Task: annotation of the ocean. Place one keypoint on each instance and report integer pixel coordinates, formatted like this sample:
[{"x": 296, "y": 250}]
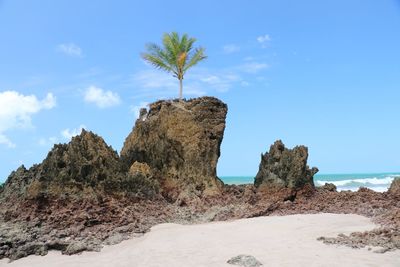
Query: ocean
[{"x": 379, "y": 182}]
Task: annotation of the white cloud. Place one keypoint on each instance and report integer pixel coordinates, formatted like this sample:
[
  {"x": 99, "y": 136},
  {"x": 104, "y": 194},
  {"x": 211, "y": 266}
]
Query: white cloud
[
  {"x": 253, "y": 67},
  {"x": 17, "y": 109},
  {"x": 264, "y": 40},
  {"x": 153, "y": 83},
  {"x": 70, "y": 49},
  {"x": 5, "y": 141},
  {"x": 103, "y": 99},
  {"x": 48, "y": 141},
  {"x": 230, "y": 48},
  {"x": 155, "y": 79},
  {"x": 136, "y": 108},
  {"x": 69, "y": 133},
  {"x": 221, "y": 82},
  {"x": 197, "y": 82}
]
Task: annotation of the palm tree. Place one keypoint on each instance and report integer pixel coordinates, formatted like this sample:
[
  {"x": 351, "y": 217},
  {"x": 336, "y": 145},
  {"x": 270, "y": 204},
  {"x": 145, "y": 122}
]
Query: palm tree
[{"x": 176, "y": 57}]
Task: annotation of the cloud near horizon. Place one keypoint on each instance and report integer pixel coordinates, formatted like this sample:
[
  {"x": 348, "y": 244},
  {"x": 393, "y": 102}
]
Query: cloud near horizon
[
  {"x": 16, "y": 111},
  {"x": 100, "y": 97}
]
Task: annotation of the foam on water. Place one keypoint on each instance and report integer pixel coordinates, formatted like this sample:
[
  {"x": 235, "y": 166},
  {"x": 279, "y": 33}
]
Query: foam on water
[{"x": 379, "y": 182}]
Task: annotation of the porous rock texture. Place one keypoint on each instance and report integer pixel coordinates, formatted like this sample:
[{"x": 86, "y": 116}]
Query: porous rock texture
[
  {"x": 180, "y": 142},
  {"x": 245, "y": 261},
  {"x": 394, "y": 188},
  {"x": 283, "y": 169},
  {"x": 85, "y": 168}
]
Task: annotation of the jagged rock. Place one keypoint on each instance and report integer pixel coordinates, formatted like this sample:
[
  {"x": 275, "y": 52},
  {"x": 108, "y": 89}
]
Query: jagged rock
[
  {"x": 16, "y": 184},
  {"x": 115, "y": 239},
  {"x": 283, "y": 168},
  {"x": 79, "y": 246},
  {"x": 84, "y": 168},
  {"x": 245, "y": 261},
  {"x": 140, "y": 168},
  {"x": 36, "y": 248},
  {"x": 78, "y": 168},
  {"x": 329, "y": 187},
  {"x": 180, "y": 142},
  {"x": 395, "y": 187}
]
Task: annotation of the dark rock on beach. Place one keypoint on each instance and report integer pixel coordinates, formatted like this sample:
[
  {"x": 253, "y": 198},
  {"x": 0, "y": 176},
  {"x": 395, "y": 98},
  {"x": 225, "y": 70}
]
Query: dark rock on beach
[
  {"x": 245, "y": 261},
  {"x": 283, "y": 169}
]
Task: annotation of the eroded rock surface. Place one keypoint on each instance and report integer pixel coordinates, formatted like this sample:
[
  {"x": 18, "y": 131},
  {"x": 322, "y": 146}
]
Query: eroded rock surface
[
  {"x": 283, "y": 168},
  {"x": 180, "y": 142},
  {"x": 394, "y": 188},
  {"x": 85, "y": 168}
]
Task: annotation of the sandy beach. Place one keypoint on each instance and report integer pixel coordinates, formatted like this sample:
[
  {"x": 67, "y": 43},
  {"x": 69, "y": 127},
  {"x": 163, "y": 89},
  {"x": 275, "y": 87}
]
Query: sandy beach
[{"x": 274, "y": 241}]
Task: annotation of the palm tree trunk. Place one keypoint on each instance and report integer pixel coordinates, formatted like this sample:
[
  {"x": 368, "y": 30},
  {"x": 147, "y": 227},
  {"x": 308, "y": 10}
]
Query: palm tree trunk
[{"x": 180, "y": 89}]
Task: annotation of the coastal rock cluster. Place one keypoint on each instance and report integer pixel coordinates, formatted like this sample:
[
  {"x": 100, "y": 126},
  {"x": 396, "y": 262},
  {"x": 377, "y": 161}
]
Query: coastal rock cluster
[
  {"x": 82, "y": 191},
  {"x": 84, "y": 195}
]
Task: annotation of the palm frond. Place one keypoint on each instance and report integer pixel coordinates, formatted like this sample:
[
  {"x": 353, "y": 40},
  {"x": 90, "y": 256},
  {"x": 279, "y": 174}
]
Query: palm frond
[
  {"x": 171, "y": 45},
  {"x": 195, "y": 58},
  {"x": 157, "y": 62}
]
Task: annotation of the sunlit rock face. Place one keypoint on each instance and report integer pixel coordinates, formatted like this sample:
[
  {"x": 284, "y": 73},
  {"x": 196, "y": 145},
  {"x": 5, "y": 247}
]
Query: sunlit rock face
[{"x": 180, "y": 142}]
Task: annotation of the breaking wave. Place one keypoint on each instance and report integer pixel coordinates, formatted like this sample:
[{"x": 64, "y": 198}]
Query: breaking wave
[{"x": 379, "y": 184}]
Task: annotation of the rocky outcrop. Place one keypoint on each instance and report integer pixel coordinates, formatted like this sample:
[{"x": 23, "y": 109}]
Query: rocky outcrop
[
  {"x": 16, "y": 184},
  {"x": 83, "y": 195},
  {"x": 394, "y": 188},
  {"x": 85, "y": 168},
  {"x": 180, "y": 142},
  {"x": 329, "y": 187},
  {"x": 82, "y": 167},
  {"x": 283, "y": 168}
]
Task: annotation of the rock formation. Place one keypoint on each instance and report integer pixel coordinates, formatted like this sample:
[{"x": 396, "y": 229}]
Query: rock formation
[
  {"x": 394, "y": 188},
  {"x": 84, "y": 168},
  {"x": 83, "y": 195},
  {"x": 245, "y": 261},
  {"x": 283, "y": 168},
  {"x": 180, "y": 143}
]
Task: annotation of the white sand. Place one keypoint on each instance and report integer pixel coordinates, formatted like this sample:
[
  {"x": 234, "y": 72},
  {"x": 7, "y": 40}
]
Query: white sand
[{"x": 274, "y": 241}]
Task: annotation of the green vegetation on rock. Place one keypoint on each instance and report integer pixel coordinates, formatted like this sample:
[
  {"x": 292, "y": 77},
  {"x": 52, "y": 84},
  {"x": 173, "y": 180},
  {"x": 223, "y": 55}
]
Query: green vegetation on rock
[{"x": 176, "y": 56}]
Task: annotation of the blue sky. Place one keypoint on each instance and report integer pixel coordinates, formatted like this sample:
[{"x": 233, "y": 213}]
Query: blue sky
[{"x": 325, "y": 74}]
